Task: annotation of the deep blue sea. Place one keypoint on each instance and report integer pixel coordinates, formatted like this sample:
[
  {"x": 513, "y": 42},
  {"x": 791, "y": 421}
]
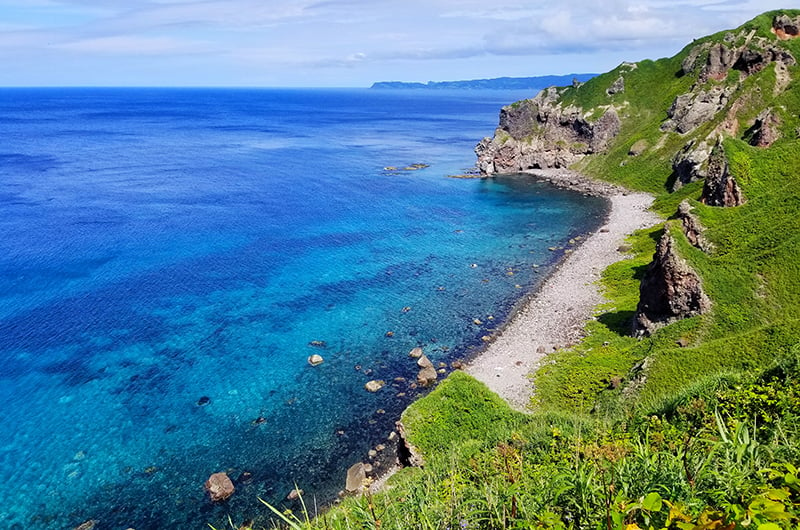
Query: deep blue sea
[{"x": 168, "y": 255}]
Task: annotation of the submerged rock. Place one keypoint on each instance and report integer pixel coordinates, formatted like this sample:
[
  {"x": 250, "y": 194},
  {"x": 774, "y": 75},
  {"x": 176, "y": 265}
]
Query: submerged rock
[
  {"x": 670, "y": 290},
  {"x": 219, "y": 487},
  {"x": 315, "y": 360}
]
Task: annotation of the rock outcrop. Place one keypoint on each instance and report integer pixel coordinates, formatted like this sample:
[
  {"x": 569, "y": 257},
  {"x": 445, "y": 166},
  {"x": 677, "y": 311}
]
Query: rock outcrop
[
  {"x": 693, "y": 109},
  {"x": 785, "y": 27},
  {"x": 720, "y": 188},
  {"x": 543, "y": 133},
  {"x": 219, "y": 487},
  {"x": 407, "y": 454},
  {"x": 692, "y": 227},
  {"x": 690, "y": 163},
  {"x": 617, "y": 87},
  {"x": 670, "y": 290},
  {"x": 764, "y": 131}
]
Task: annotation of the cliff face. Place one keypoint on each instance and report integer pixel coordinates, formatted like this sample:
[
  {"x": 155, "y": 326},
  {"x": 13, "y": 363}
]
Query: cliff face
[{"x": 544, "y": 133}]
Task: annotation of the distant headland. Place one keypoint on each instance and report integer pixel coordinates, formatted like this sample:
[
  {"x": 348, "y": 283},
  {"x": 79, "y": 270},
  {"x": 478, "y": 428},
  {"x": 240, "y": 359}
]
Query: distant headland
[{"x": 498, "y": 83}]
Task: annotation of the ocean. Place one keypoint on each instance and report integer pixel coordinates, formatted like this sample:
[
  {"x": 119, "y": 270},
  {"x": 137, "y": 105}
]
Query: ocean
[{"x": 170, "y": 258}]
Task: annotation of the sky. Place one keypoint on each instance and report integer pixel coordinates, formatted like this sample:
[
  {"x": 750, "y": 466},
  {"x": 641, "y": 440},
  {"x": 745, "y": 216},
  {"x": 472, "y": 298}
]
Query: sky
[{"x": 341, "y": 43}]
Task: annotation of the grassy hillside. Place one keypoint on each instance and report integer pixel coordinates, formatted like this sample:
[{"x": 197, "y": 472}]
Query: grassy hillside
[{"x": 694, "y": 427}]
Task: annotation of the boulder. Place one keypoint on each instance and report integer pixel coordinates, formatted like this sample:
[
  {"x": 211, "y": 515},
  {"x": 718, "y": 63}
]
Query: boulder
[
  {"x": 415, "y": 353},
  {"x": 670, "y": 290},
  {"x": 219, "y": 487},
  {"x": 639, "y": 147},
  {"x": 87, "y": 525},
  {"x": 356, "y": 475},
  {"x": 720, "y": 188},
  {"x": 294, "y": 495},
  {"x": 374, "y": 385},
  {"x": 427, "y": 374}
]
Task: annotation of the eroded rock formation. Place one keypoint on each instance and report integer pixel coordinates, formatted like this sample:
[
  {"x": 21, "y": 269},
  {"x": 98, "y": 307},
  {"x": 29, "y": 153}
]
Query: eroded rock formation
[
  {"x": 720, "y": 188},
  {"x": 670, "y": 290},
  {"x": 692, "y": 227},
  {"x": 785, "y": 27},
  {"x": 765, "y": 130},
  {"x": 542, "y": 133}
]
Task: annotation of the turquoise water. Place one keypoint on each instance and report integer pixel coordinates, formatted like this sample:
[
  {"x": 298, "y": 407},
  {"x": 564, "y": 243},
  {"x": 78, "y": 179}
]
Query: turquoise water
[{"x": 168, "y": 256}]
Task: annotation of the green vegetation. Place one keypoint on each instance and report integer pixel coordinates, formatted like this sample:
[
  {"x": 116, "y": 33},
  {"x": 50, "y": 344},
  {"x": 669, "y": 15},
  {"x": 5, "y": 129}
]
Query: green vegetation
[{"x": 694, "y": 427}]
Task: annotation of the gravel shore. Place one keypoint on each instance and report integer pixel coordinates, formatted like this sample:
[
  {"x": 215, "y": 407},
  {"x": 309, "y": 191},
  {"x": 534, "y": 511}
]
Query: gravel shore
[{"x": 555, "y": 315}]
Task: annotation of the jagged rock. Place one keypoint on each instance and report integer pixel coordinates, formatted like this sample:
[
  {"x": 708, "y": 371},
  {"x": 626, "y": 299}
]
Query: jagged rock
[
  {"x": 720, "y": 60},
  {"x": 690, "y": 163},
  {"x": 692, "y": 227},
  {"x": 407, "y": 454},
  {"x": 720, "y": 188},
  {"x": 765, "y": 129},
  {"x": 786, "y": 28},
  {"x": 691, "y": 110},
  {"x": 542, "y": 133},
  {"x": 427, "y": 374},
  {"x": 219, "y": 487},
  {"x": 415, "y": 353},
  {"x": 356, "y": 475},
  {"x": 670, "y": 290},
  {"x": 617, "y": 87}
]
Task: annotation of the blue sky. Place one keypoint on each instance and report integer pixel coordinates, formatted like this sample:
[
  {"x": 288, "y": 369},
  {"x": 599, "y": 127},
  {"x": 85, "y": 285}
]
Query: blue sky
[{"x": 340, "y": 42}]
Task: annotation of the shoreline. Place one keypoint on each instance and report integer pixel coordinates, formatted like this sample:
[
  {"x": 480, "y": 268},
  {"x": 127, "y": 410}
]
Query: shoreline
[{"x": 554, "y": 315}]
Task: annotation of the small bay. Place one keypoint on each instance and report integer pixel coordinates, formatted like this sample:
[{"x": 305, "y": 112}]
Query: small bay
[{"x": 170, "y": 258}]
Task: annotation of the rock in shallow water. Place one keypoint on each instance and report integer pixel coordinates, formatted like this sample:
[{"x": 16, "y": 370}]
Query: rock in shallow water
[{"x": 219, "y": 487}]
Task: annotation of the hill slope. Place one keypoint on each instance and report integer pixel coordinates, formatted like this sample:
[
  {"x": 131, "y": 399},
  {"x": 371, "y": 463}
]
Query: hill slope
[{"x": 681, "y": 407}]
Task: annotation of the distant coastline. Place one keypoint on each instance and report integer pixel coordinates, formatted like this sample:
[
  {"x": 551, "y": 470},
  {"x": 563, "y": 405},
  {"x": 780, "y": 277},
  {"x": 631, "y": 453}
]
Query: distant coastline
[{"x": 498, "y": 83}]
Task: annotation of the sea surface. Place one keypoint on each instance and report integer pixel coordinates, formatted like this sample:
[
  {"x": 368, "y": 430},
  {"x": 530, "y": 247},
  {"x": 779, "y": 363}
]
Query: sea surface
[{"x": 170, "y": 258}]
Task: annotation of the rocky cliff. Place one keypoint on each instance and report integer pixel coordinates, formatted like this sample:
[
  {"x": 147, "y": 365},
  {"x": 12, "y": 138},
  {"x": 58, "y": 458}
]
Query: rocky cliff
[
  {"x": 545, "y": 133},
  {"x": 673, "y": 125}
]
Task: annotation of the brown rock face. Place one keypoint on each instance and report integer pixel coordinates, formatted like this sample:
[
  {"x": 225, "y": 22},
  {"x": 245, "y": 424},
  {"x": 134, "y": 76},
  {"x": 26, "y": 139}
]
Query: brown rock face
[
  {"x": 356, "y": 475},
  {"x": 670, "y": 290},
  {"x": 219, "y": 487},
  {"x": 720, "y": 188}
]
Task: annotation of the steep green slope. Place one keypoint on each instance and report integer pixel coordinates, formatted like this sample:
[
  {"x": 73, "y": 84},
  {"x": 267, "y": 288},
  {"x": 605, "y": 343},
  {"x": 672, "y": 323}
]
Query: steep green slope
[{"x": 695, "y": 422}]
